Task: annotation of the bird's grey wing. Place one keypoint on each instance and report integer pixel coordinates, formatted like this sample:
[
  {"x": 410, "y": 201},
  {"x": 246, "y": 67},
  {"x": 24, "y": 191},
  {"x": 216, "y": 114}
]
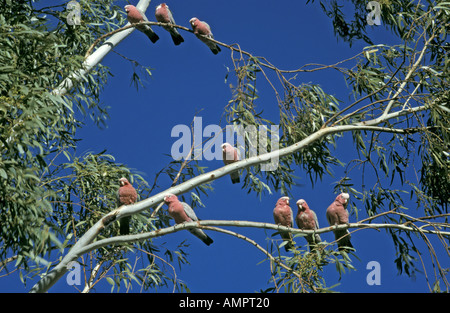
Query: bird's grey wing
[
  {"x": 315, "y": 219},
  {"x": 292, "y": 219},
  {"x": 171, "y": 19},
  {"x": 189, "y": 212}
]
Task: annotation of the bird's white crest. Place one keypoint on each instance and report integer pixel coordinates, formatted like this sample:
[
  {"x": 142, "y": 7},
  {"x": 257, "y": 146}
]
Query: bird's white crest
[
  {"x": 285, "y": 198},
  {"x": 126, "y": 7},
  {"x": 300, "y": 202},
  {"x": 192, "y": 20},
  {"x": 122, "y": 181},
  {"x": 160, "y": 5},
  {"x": 345, "y": 196},
  {"x": 167, "y": 196}
]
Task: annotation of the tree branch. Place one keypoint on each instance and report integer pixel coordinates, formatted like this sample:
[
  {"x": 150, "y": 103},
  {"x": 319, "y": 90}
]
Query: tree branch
[
  {"x": 47, "y": 281},
  {"x": 406, "y": 80},
  {"x": 205, "y": 223},
  {"x": 92, "y": 60}
]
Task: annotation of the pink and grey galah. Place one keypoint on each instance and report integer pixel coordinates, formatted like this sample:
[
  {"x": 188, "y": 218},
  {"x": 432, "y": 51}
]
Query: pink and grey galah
[
  {"x": 230, "y": 155},
  {"x": 134, "y": 15},
  {"x": 181, "y": 212},
  {"x": 337, "y": 214},
  {"x": 164, "y": 15},
  {"x": 202, "y": 28},
  {"x": 307, "y": 219},
  {"x": 282, "y": 214},
  {"x": 126, "y": 195}
]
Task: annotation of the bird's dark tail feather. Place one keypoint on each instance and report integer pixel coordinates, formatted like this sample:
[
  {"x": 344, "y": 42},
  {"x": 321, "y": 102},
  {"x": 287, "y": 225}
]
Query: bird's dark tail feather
[
  {"x": 313, "y": 240},
  {"x": 235, "y": 177},
  {"x": 177, "y": 39},
  {"x": 207, "y": 240},
  {"x": 287, "y": 237},
  {"x": 343, "y": 241},
  {"x": 152, "y": 36},
  {"x": 288, "y": 246},
  {"x": 202, "y": 236},
  {"x": 124, "y": 225},
  {"x": 215, "y": 49}
]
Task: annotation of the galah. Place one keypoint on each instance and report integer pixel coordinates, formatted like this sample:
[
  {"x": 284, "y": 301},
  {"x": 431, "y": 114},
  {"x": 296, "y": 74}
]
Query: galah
[
  {"x": 164, "y": 15},
  {"x": 307, "y": 219},
  {"x": 202, "y": 28},
  {"x": 181, "y": 212},
  {"x": 230, "y": 155},
  {"x": 126, "y": 195},
  {"x": 337, "y": 214},
  {"x": 134, "y": 15},
  {"x": 282, "y": 214}
]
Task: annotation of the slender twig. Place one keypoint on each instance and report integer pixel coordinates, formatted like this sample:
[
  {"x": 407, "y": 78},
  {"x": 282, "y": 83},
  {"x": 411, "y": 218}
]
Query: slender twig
[
  {"x": 364, "y": 98},
  {"x": 232, "y": 47},
  {"x": 240, "y": 236},
  {"x": 164, "y": 261},
  {"x": 406, "y": 79}
]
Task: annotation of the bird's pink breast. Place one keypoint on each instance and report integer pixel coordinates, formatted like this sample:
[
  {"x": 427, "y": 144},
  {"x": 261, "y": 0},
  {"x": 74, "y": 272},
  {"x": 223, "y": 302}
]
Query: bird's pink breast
[
  {"x": 127, "y": 195},
  {"x": 162, "y": 16},
  {"x": 134, "y": 16},
  {"x": 202, "y": 29},
  {"x": 306, "y": 221},
  {"x": 176, "y": 211},
  {"x": 282, "y": 215}
]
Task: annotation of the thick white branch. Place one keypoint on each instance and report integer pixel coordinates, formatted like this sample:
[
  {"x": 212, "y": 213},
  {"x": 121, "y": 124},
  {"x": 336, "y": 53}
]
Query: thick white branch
[
  {"x": 91, "y": 61},
  {"x": 267, "y": 157},
  {"x": 95, "y": 58},
  {"x": 392, "y": 115}
]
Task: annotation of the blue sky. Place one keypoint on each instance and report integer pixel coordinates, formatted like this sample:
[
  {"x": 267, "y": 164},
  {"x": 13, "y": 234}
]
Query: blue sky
[{"x": 189, "y": 78}]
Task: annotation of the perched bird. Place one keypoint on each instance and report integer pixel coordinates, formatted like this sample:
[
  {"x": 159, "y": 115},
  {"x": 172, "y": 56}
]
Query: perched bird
[
  {"x": 181, "y": 212},
  {"x": 338, "y": 214},
  {"x": 307, "y": 219},
  {"x": 127, "y": 195},
  {"x": 230, "y": 155},
  {"x": 164, "y": 15},
  {"x": 282, "y": 214},
  {"x": 134, "y": 15},
  {"x": 202, "y": 28}
]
